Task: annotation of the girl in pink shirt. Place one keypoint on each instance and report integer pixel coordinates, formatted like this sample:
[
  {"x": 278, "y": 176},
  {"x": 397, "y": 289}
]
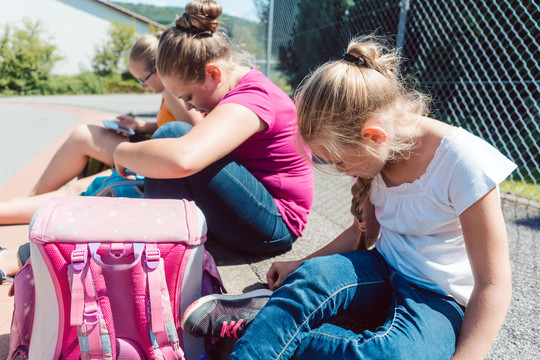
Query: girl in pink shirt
[{"x": 240, "y": 164}]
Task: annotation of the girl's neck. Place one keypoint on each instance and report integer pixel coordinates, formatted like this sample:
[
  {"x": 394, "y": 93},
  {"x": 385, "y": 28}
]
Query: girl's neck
[
  {"x": 427, "y": 136},
  {"x": 237, "y": 73}
]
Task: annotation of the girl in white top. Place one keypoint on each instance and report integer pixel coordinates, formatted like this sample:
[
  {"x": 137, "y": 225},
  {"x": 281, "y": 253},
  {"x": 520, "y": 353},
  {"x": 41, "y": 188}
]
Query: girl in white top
[{"x": 438, "y": 278}]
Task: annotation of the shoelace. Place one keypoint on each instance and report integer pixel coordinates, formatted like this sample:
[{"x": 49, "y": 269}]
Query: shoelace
[{"x": 229, "y": 329}]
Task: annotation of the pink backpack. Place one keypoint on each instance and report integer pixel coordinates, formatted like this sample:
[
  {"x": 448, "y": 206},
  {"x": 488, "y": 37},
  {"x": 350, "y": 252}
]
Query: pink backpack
[{"x": 112, "y": 278}]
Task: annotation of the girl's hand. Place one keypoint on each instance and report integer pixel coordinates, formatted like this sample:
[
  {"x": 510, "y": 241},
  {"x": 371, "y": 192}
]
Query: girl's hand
[
  {"x": 130, "y": 122},
  {"x": 121, "y": 169},
  {"x": 279, "y": 271},
  {"x": 345, "y": 242}
]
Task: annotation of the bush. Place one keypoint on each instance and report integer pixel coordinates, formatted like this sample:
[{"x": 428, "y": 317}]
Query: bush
[
  {"x": 84, "y": 83},
  {"x": 26, "y": 60},
  {"x": 90, "y": 83},
  {"x": 111, "y": 56}
]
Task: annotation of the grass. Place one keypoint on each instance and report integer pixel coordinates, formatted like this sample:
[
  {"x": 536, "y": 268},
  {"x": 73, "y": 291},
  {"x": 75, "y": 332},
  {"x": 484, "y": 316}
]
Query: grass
[{"x": 521, "y": 189}]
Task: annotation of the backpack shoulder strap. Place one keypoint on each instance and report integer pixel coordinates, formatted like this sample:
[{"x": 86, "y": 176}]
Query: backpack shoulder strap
[
  {"x": 86, "y": 313},
  {"x": 162, "y": 328}
]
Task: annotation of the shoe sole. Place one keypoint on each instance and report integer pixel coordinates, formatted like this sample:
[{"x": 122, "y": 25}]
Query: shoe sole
[{"x": 193, "y": 307}]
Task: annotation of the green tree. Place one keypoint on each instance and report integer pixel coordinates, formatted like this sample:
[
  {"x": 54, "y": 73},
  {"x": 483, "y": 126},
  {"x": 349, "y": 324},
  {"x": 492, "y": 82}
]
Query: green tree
[
  {"x": 245, "y": 35},
  {"x": 316, "y": 37},
  {"x": 249, "y": 36},
  {"x": 112, "y": 56},
  {"x": 26, "y": 59}
]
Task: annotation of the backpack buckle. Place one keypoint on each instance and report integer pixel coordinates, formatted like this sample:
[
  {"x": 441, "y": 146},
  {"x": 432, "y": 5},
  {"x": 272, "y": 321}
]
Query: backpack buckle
[
  {"x": 79, "y": 258},
  {"x": 152, "y": 258},
  {"x": 117, "y": 250}
]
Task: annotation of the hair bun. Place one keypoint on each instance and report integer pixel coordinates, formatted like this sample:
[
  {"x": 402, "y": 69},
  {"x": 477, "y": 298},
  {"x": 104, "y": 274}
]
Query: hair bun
[
  {"x": 200, "y": 16},
  {"x": 375, "y": 55}
]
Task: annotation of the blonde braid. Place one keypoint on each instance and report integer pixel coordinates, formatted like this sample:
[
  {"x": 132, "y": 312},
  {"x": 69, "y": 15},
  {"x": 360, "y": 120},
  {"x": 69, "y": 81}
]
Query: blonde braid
[{"x": 359, "y": 192}]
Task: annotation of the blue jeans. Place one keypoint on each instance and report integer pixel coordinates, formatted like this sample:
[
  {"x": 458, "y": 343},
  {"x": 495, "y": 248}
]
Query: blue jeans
[
  {"x": 417, "y": 323},
  {"x": 239, "y": 211}
]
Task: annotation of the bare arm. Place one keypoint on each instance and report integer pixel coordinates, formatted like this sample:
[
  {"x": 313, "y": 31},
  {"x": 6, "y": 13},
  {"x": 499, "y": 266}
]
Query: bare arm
[
  {"x": 178, "y": 108},
  {"x": 347, "y": 241},
  {"x": 219, "y": 133},
  {"x": 487, "y": 247},
  {"x": 139, "y": 126}
]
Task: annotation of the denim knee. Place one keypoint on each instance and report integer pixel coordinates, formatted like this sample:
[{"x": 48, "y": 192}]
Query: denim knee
[
  {"x": 173, "y": 129},
  {"x": 345, "y": 269},
  {"x": 322, "y": 266},
  {"x": 326, "y": 272}
]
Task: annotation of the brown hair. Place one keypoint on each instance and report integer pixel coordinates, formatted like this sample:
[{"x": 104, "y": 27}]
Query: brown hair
[
  {"x": 145, "y": 51},
  {"x": 335, "y": 101},
  {"x": 194, "y": 40}
]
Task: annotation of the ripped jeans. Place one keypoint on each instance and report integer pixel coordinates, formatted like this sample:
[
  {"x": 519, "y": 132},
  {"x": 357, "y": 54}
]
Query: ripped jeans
[{"x": 416, "y": 323}]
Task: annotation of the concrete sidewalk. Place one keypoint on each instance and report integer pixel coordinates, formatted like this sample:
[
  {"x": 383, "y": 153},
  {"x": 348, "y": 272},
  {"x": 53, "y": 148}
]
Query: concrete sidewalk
[{"x": 35, "y": 126}]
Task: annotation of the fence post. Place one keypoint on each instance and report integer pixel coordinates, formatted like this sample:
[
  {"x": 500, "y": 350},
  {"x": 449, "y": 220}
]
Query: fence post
[
  {"x": 269, "y": 37},
  {"x": 402, "y": 25}
]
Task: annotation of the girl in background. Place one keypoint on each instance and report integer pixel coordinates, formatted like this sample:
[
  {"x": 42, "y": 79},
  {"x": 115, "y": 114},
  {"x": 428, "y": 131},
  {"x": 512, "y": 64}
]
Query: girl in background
[
  {"x": 91, "y": 141},
  {"x": 98, "y": 142}
]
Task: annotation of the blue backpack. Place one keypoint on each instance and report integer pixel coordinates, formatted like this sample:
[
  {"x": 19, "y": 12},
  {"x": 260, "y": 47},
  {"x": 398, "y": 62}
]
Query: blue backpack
[{"x": 115, "y": 185}]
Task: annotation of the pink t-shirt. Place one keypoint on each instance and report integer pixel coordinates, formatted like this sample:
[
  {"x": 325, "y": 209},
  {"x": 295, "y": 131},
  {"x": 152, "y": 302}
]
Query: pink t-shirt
[{"x": 271, "y": 155}]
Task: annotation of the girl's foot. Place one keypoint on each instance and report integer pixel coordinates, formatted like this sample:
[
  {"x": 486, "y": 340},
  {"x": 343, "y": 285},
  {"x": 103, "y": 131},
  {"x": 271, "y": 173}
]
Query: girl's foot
[
  {"x": 223, "y": 315},
  {"x": 3, "y": 261}
]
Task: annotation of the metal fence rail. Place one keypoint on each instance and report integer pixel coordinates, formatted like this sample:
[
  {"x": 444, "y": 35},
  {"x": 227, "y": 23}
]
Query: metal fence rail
[{"x": 479, "y": 60}]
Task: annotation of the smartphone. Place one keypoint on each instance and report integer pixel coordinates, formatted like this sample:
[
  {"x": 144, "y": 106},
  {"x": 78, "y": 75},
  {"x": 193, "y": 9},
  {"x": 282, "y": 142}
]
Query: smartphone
[{"x": 113, "y": 125}]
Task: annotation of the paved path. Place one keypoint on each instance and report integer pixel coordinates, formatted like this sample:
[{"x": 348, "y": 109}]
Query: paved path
[{"x": 36, "y": 125}]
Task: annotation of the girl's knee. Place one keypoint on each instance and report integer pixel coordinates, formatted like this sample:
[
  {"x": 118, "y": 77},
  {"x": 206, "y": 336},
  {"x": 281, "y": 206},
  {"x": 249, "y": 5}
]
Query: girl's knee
[
  {"x": 173, "y": 129},
  {"x": 81, "y": 134},
  {"x": 344, "y": 269},
  {"x": 324, "y": 268}
]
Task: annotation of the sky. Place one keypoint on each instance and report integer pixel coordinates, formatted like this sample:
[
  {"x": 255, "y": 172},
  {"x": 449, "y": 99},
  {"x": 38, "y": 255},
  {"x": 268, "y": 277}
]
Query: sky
[{"x": 239, "y": 8}]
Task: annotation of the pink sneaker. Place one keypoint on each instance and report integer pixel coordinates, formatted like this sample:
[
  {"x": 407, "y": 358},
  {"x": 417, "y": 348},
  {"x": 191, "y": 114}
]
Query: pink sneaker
[{"x": 223, "y": 315}]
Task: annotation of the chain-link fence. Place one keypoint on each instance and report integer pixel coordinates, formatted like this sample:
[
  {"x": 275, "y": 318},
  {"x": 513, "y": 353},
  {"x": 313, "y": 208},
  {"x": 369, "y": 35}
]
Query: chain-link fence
[{"x": 479, "y": 60}]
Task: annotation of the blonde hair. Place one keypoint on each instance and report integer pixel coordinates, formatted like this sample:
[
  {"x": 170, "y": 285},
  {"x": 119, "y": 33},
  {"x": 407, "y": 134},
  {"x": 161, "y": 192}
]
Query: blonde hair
[
  {"x": 145, "y": 51},
  {"x": 194, "y": 40},
  {"x": 335, "y": 101}
]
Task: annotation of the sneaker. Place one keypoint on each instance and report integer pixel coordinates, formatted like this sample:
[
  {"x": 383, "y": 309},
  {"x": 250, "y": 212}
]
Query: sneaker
[
  {"x": 3, "y": 275},
  {"x": 223, "y": 315}
]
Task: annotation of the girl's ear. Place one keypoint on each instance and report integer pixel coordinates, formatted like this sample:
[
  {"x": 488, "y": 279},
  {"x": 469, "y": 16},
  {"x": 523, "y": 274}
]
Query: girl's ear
[
  {"x": 214, "y": 72},
  {"x": 374, "y": 133}
]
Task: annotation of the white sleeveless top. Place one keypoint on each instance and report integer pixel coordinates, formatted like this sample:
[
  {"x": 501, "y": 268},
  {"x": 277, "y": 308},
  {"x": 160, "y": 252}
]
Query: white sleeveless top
[{"x": 421, "y": 234}]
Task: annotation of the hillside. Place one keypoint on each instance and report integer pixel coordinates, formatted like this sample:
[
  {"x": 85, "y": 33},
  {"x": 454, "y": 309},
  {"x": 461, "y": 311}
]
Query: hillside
[
  {"x": 251, "y": 35},
  {"x": 163, "y": 15}
]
